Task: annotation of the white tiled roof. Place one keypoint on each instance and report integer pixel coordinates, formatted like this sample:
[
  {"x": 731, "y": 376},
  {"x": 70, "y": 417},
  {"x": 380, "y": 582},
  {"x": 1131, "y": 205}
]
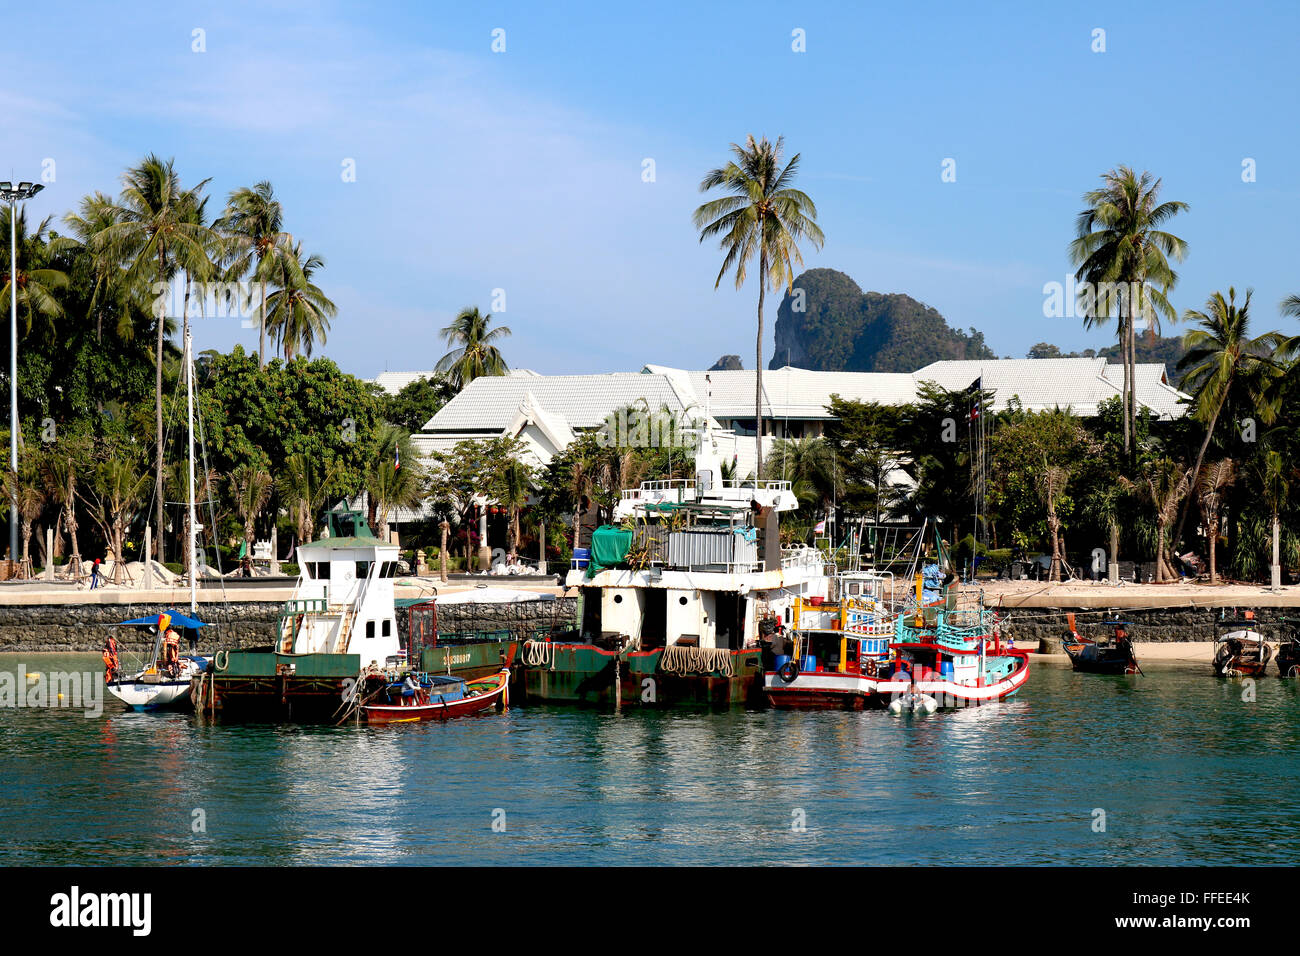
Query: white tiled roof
[
  {"x": 1077, "y": 383},
  {"x": 394, "y": 382},
  {"x": 582, "y": 401}
]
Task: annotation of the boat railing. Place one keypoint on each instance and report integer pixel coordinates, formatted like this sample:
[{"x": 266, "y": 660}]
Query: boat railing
[{"x": 685, "y": 485}]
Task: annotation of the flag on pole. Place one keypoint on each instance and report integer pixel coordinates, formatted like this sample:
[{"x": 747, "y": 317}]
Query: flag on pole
[
  {"x": 820, "y": 527},
  {"x": 397, "y": 457}
]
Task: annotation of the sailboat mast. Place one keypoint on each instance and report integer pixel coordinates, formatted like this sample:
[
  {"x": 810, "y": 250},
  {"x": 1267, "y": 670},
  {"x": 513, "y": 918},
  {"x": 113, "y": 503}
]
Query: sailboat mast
[{"x": 189, "y": 401}]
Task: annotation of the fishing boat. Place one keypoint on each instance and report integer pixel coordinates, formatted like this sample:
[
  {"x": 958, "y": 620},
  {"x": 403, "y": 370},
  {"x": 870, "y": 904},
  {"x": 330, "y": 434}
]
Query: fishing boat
[
  {"x": 435, "y": 697},
  {"x": 485, "y": 632},
  {"x": 675, "y": 601},
  {"x": 836, "y": 649},
  {"x": 1110, "y": 656},
  {"x": 158, "y": 685},
  {"x": 1288, "y": 647},
  {"x": 1240, "y": 649}
]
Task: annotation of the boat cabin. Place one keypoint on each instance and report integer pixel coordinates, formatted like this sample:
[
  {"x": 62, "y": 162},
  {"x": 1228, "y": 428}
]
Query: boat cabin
[{"x": 343, "y": 603}]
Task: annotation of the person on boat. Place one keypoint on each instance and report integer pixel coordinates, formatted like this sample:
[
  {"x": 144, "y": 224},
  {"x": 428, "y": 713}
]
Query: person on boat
[
  {"x": 110, "y": 658},
  {"x": 410, "y": 688},
  {"x": 171, "y": 651}
]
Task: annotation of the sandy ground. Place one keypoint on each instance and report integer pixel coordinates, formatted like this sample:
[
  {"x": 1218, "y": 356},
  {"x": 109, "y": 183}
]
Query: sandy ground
[{"x": 1198, "y": 652}]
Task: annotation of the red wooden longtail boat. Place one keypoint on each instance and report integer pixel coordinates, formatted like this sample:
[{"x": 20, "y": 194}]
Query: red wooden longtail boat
[{"x": 437, "y": 698}]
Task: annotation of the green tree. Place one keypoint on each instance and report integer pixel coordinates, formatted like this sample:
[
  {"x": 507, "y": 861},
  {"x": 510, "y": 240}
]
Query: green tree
[
  {"x": 38, "y": 284},
  {"x": 250, "y": 487},
  {"x": 394, "y": 478},
  {"x": 1123, "y": 253},
  {"x": 473, "y": 351},
  {"x": 764, "y": 215}
]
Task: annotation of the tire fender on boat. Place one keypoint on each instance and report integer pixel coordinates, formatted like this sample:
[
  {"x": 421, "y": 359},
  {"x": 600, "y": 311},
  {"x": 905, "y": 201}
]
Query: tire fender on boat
[{"x": 788, "y": 672}]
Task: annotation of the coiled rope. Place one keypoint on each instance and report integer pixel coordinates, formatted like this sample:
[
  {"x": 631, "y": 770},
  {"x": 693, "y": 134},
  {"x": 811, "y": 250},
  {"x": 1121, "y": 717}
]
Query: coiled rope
[
  {"x": 696, "y": 660},
  {"x": 539, "y": 653}
]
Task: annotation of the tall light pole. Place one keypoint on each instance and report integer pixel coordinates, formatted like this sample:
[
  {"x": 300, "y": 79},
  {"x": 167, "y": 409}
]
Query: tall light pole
[{"x": 12, "y": 195}]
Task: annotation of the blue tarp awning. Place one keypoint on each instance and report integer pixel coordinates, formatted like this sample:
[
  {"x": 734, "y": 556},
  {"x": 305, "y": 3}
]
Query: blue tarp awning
[{"x": 178, "y": 620}]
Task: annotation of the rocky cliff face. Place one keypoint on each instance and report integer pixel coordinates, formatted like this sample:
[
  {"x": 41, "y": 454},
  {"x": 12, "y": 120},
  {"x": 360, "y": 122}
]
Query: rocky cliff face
[{"x": 826, "y": 322}]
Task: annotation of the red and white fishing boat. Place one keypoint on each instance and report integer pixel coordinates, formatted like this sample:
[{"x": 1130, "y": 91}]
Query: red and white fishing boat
[{"x": 436, "y": 698}]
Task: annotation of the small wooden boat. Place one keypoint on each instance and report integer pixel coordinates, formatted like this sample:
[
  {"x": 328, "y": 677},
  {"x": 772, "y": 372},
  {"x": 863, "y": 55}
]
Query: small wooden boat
[
  {"x": 1240, "y": 649},
  {"x": 1111, "y": 656},
  {"x": 1288, "y": 648},
  {"x": 436, "y": 698}
]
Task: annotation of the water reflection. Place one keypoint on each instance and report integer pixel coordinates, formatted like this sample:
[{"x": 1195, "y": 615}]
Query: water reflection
[{"x": 1187, "y": 769}]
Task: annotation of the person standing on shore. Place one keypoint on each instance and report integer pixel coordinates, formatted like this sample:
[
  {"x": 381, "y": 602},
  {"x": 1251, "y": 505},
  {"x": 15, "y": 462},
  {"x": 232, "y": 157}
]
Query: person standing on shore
[{"x": 94, "y": 575}]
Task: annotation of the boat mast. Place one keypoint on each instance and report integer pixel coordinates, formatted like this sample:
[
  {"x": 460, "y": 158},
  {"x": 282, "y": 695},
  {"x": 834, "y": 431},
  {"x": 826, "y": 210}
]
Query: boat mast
[{"x": 189, "y": 401}]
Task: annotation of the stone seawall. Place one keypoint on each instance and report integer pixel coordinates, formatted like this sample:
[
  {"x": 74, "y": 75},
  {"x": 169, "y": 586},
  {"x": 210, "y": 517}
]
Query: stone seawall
[
  {"x": 1043, "y": 626},
  {"x": 73, "y": 628}
]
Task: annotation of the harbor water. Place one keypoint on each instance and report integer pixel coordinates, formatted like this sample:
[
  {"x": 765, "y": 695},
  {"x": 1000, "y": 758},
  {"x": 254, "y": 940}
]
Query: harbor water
[{"x": 1176, "y": 767}]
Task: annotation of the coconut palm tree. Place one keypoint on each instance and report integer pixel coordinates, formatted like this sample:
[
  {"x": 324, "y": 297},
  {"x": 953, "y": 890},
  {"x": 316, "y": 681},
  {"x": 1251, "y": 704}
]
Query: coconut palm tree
[
  {"x": 1221, "y": 360},
  {"x": 113, "y": 497},
  {"x": 154, "y": 230},
  {"x": 302, "y": 488},
  {"x": 299, "y": 312},
  {"x": 473, "y": 352},
  {"x": 1163, "y": 483},
  {"x": 763, "y": 214},
  {"x": 1123, "y": 253},
  {"x": 38, "y": 284},
  {"x": 95, "y": 214},
  {"x": 253, "y": 228},
  {"x": 515, "y": 487},
  {"x": 250, "y": 486},
  {"x": 1212, "y": 481},
  {"x": 810, "y": 467},
  {"x": 394, "y": 478},
  {"x": 60, "y": 480}
]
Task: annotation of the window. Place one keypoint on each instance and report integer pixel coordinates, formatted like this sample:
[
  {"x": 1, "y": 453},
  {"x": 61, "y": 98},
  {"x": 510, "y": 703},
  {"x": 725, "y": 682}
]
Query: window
[
  {"x": 370, "y": 628},
  {"x": 363, "y": 568},
  {"x": 320, "y": 570},
  {"x": 387, "y": 628}
]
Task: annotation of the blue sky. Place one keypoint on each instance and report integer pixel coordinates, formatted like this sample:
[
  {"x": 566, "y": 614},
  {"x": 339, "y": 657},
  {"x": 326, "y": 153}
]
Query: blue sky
[{"x": 521, "y": 170}]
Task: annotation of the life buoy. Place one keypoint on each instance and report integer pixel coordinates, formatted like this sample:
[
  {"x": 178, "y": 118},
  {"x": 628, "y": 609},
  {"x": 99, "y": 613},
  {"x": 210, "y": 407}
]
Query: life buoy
[{"x": 788, "y": 671}]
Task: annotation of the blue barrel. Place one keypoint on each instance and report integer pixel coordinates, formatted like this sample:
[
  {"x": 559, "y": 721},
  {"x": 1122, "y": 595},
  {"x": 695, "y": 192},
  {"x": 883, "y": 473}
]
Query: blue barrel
[
  {"x": 581, "y": 558},
  {"x": 781, "y": 661},
  {"x": 809, "y": 664},
  {"x": 945, "y": 670}
]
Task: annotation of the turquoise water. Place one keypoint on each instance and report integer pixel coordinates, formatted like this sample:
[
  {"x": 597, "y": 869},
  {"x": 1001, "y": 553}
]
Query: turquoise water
[{"x": 1185, "y": 770}]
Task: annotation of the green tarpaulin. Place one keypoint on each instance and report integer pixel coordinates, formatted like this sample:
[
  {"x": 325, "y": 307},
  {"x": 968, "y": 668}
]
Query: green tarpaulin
[{"x": 609, "y": 548}]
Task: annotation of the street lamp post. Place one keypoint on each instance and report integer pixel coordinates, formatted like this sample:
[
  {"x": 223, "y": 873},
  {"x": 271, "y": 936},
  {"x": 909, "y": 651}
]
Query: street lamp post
[{"x": 12, "y": 195}]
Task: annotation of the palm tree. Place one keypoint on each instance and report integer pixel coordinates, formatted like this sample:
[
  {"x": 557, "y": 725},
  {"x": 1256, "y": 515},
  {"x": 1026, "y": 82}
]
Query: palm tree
[
  {"x": 472, "y": 350},
  {"x": 96, "y": 213},
  {"x": 1273, "y": 482},
  {"x": 253, "y": 227},
  {"x": 1163, "y": 483},
  {"x": 28, "y": 490},
  {"x": 60, "y": 479},
  {"x": 38, "y": 285},
  {"x": 154, "y": 229},
  {"x": 1123, "y": 253},
  {"x": 113, "y": 496},
  {"x": 516, "y": 484},
  {"x": 1222, "y": 357},
  {"x": 303, "y": 488},
  {"x": 809, "y": 466},
  {"x": 763, "y": 214},
  {"x": 1211, "y": 482},
  {"x": 393, "y": 478},
  {"x": 250, "y": 486},
  {"x": 299, "y": 312}
]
